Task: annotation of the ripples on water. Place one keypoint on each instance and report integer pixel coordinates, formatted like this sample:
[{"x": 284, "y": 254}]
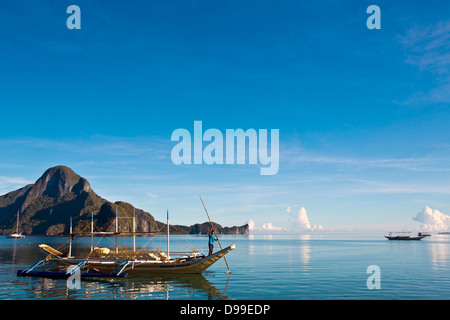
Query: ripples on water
[{"x": 282, "y": 267}]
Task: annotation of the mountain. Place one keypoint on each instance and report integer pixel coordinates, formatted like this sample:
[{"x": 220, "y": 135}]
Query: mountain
[
  {"x": 46, "y": 207},
  {"x": 204, "y": 228}
]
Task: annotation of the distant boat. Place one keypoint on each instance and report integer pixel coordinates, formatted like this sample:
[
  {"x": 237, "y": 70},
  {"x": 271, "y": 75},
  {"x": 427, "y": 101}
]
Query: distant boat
[
  {"x": 16, "y": 235},
  {"x": 406, "y": 236}
]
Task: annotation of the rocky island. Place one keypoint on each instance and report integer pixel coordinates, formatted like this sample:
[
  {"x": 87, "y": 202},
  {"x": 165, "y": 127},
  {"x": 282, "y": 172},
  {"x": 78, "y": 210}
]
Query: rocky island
[{"x": 47, "y": 205}]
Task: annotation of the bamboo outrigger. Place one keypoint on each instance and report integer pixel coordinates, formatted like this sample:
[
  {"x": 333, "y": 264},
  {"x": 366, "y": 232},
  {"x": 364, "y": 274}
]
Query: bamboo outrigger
[{"x": 103, "y": 262}]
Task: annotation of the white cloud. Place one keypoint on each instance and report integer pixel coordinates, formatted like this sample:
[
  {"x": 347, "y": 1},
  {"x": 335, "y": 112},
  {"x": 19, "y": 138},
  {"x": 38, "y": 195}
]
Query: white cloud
[
  {"x": 301, "y": 221},
  {"x": 151, "y": 195},
  {"x": 303, "y": 156},
  {"x": 269, "y": 227},
  {"x": 8, "y": 184},
  {"x": 428, "y": 48},
  {"x": 14, "y": 180},
  {"x": 266, "y": 227},
  {"x": 433, "y": 220}
]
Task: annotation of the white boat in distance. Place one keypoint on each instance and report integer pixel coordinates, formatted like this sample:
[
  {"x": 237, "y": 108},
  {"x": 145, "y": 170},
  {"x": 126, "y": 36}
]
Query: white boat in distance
[
  {"x": 16, "y": 235},
  {"x": 403, "y": 235}
]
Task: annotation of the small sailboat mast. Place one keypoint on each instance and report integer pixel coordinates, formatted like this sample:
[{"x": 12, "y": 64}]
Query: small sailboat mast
[
  {"x": 17, "y": 223},
  {"x": 16, "y": 235}
]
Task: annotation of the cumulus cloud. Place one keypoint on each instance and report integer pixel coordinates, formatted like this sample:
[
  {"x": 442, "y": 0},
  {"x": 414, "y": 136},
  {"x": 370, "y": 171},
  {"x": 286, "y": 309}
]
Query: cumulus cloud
[
  {"x": 301, "y": 221},
  {"x": 269, "y": 227},
  {"x": 266, "y": 227},
  {"x": 433, "y": 220}
]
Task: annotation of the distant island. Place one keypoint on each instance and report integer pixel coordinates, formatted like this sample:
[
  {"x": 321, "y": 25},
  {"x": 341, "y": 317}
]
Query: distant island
[{"x": 46, "y": 207}]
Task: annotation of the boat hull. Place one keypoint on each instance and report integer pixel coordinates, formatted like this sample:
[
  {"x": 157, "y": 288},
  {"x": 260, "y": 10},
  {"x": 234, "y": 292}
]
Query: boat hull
[
  {"x": 15, "y": 236},
  {"x": 404, "y": 238}
]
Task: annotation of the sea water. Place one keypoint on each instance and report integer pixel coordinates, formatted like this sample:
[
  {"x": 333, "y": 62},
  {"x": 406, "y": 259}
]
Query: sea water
[{"x": 274, "y": 267}]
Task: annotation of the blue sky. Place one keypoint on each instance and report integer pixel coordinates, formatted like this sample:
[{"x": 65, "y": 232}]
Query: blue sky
[{"x": 363, "y": 114}]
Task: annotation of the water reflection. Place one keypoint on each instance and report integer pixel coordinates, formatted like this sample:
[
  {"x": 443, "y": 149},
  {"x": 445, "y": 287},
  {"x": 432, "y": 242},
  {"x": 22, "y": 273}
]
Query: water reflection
[
  {"x": 305, "y": 251},
  {"x": 163, "y": 287},
  {"x": 314, "y": 267},
  {"x": 439, "y": 252}
]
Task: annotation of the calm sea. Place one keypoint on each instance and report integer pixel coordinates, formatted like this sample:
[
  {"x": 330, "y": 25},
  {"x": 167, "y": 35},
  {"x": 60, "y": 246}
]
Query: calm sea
[{"x": 281, "y": 267}]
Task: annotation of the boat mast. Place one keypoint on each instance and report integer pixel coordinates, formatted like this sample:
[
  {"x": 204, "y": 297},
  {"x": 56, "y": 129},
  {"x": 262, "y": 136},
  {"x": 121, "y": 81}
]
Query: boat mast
[
  {"x": 71, "y": 237},
  {"x": 117, "y": 231},
  {"x": 134, "y": 230},
  {"x": 17, "y": 223},
  {"x": 167, "y": 234},
  {"x": 92, "y": 231}
]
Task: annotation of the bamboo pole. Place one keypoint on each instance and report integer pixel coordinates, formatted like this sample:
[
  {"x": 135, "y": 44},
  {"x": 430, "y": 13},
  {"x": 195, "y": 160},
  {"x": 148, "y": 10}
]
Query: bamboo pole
[
  {"x": 92, "y": 231},
  {"x": 167, "y": 235},
  {"x": 71, "y": 237},
  {"x": 117, "y": 232},
  {"x": 212, "y": 226}
]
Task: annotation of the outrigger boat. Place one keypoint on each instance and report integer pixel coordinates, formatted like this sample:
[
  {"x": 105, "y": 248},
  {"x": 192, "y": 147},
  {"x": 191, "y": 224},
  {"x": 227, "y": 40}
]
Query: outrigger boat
[
  {"x": 103, "y": 262},
  {"x": 406, "y": 236}
]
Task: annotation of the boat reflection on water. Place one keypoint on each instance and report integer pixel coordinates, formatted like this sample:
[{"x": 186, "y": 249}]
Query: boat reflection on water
[
  {"x": 192, "y": 285},
  {"x": 157, "y": 287}
]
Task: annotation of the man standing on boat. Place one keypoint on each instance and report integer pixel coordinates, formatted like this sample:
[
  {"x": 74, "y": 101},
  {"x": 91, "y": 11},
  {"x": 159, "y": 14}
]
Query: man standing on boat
[{"x": 212, "y": 238}]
